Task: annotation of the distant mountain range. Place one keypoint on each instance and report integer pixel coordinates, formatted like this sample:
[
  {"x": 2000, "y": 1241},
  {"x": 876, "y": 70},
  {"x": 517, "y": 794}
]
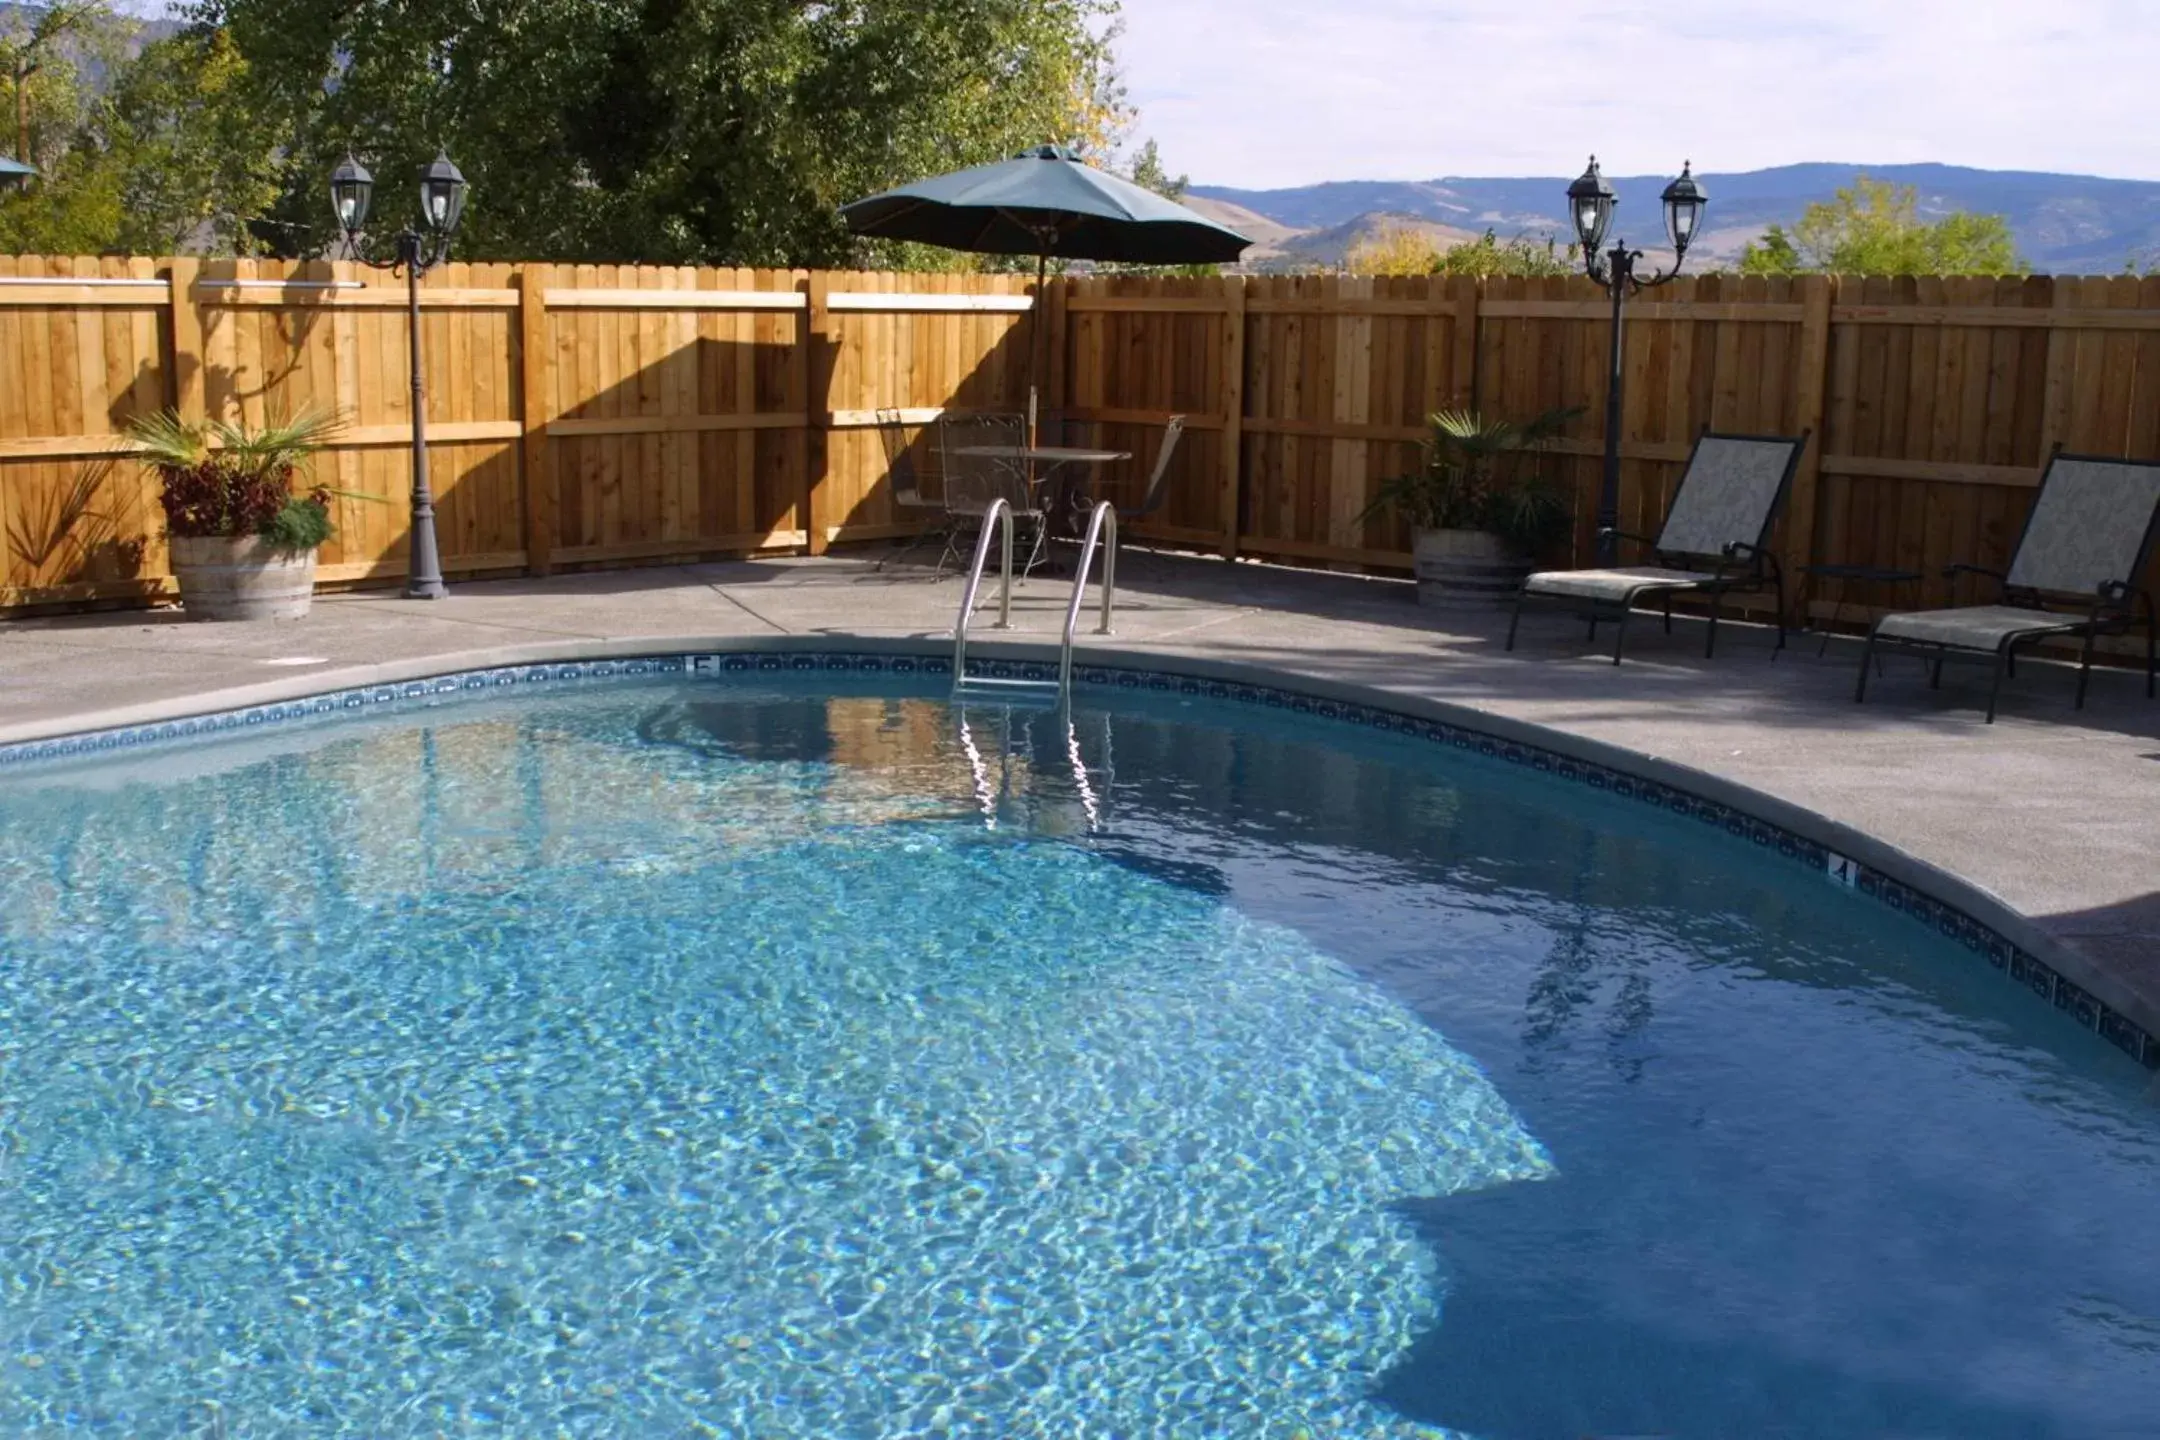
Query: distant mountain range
[{"x": 2067, "y": 224}]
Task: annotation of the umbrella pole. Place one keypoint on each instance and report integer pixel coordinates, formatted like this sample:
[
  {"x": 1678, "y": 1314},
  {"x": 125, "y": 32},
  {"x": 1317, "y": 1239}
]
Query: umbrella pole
[{"x": 1035, "y": 328}]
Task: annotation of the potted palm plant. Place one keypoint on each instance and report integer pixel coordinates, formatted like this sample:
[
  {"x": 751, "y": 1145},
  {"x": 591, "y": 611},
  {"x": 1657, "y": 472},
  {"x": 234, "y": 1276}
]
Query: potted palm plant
[
  {"x": 1480, "y": 507},
  {"x": 242, "y": 539}
]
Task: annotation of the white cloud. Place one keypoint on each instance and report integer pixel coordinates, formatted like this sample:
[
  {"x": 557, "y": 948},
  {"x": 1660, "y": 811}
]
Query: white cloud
[{"x": 1283, "y": 92}]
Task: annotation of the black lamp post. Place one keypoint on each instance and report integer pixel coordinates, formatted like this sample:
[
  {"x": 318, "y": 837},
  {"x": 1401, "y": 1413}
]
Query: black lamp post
[
  {"x": 442, "y": 203},
  {"x": 1590, "y": 203}
]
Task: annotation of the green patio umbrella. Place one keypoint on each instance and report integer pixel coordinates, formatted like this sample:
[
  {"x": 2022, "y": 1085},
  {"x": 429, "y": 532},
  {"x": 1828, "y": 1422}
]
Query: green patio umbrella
[{"x": 1045, "y": 201}]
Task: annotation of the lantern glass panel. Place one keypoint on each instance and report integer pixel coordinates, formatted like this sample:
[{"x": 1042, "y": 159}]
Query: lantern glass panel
[
  {"x": 351, "y": 188},
  {"x": 1592, "y": 216},
  {"x": 1684, "y": 201},
  {"x": 442, "y": 195}
]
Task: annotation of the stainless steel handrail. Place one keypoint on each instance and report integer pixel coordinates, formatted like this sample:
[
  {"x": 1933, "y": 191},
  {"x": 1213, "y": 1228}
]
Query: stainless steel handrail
[
  {"x": 1000, "y": 511},
  {"x": 1103, "y": 520}
]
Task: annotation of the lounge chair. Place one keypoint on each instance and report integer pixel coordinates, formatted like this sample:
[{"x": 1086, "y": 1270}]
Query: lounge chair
[
  {"x": 2075, "y": 572},
  {"x": 1712, "y": 543}
]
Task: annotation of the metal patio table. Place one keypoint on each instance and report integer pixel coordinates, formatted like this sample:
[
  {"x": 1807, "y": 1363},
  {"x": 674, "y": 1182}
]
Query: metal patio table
[{"x": 1043, "y": 462}]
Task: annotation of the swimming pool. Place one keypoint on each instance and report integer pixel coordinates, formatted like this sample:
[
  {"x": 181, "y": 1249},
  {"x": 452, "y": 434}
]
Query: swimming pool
[{"x": 766, "y": 1054}]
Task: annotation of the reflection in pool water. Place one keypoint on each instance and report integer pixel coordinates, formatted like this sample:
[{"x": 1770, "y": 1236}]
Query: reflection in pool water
[{"x": 695, "y": 1059}]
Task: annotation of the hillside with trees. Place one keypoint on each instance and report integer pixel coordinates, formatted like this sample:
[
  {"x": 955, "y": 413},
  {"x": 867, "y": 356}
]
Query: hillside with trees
[{"x": 2062, "y": 223}]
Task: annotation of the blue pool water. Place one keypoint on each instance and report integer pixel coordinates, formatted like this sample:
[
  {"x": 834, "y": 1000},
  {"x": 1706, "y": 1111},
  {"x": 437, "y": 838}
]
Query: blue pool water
[{"x": 740, "y": 1058}]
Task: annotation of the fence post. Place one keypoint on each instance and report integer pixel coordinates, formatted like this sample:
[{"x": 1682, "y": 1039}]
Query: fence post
[
  {"x": 1232, "y": 497},
  {"x": 1817, "y": 293},
  {"x": 810, "y": 440},
  {"x": 1464, "y": 369},
  {"x": 2061, "y": 364},
  {"x": 185, "y": 323},
  {"x": 535, "y": 410}
]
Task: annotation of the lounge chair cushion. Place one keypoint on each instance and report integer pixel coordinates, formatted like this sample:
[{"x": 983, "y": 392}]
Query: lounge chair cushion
[
  {"x": 1973, "y": 627},
  {"x": 1614, "y": 585},
  {"x": 2088, "y": 526},
  {"x": 1728, "y": 496}
]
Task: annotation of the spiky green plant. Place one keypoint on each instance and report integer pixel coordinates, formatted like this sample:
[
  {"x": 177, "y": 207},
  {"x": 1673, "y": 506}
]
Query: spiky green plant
[
  {"x": 1483, "y": 474},
  {"x": 219, "y": 478},
  {"x": 168, "y": 442},
  {"x": 283, "y": 444}
]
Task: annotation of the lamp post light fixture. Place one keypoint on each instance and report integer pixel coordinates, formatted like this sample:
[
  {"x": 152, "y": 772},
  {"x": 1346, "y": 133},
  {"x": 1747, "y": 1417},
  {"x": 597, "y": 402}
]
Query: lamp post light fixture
[
  {"x": 1590, "y": 205},
  {"x": 442, "y": 204}
]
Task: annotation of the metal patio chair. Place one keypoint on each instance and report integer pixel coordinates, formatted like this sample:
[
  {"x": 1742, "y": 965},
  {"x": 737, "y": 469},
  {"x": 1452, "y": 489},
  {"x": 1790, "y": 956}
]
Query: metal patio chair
[
  {"x": 973, "y": 481},
  {"x": 910, "y": 497},
  {"x": 1157, "y": 490},
  {"x": 2075, "y": 572},
  {"x": 1713, "y": 542}
]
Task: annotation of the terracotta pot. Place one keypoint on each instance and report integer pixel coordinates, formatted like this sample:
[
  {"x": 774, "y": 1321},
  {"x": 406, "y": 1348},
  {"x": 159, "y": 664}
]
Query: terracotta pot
[
  {"x": 1466, "y": 569},
  {"x": 222, "y": 579}
]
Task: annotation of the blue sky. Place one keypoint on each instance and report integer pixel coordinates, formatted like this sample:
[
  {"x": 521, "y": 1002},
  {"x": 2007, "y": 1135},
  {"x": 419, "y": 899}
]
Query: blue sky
[{"x": 1262, "y": 93}]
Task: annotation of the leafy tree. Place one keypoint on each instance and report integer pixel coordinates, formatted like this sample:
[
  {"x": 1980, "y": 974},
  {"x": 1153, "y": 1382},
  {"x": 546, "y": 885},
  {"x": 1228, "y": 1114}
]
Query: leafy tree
[
  {"x": 42, "y": 54},
  {"x": 1403, "y": 250},
  {"x": 173, "y": 157},
  {"x": 1517, "y": 255},
  {"x": 1874, "y": 228},
  {"x": 1393, "y": 250},
  {"x": 1149, "y": 173},
  {"x": 706, "y": 131}
]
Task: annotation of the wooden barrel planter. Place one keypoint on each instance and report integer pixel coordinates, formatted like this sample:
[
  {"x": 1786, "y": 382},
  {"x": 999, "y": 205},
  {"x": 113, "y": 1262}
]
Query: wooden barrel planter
[
  {"x": 244, "y": 579},
  {"x": 1466, "y": 570}
]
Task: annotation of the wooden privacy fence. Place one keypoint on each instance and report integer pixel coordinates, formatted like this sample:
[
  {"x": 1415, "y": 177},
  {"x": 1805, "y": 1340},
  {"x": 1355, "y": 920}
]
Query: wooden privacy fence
[
  {"x": 577, "y": 416},
  {"x": 612, "y": 415}
]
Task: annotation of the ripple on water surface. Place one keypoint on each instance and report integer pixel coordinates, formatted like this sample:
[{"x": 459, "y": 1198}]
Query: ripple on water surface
[{"x": 527, "y": 1074}]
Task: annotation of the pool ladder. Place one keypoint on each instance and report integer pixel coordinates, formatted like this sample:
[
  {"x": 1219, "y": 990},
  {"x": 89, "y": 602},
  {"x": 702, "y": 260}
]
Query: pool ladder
[{"x": 1102, "y": 527}]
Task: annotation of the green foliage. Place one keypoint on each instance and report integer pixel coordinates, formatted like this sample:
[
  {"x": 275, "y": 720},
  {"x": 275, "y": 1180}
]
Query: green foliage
[
  {"x": 1149, "y": 174},
  {"x": 686, "y": 131},
  {"x": 196, "y": 160},
  {"x": 1485, "y": 474},
  {"x": 172, "y": 155},
  {"x": 1393, "y": 250},
  {"x": 707, "y": 131},
  {"x": 45, "y": 55},
  {"x": 1874, "y": 227},
  {"x": 302, "y": 524},
  {"x": 1518, "y": 255},
  {"x": 286, "y": 443},
  {"x": 167, "y": 442},
  {"x": 1402, "y": 250},
  {"x": 220, "y": 478}
]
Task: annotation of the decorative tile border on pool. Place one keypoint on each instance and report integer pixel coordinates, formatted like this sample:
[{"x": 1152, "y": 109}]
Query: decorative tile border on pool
[
  {"x": 2022, "y": 967},
  {"x": 363, "y": 698}
]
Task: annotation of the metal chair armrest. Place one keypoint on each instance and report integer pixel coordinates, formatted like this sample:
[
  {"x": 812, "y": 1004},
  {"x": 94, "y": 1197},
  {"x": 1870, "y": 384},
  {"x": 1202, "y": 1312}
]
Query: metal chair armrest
[
  {"x": 1756, "y": 557},
  {"x": 1613, "y": 532}
]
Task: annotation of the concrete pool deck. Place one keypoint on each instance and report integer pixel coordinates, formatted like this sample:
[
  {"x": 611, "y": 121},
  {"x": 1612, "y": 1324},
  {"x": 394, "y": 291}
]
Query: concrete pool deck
[{"x": 2051, "y": 815}]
